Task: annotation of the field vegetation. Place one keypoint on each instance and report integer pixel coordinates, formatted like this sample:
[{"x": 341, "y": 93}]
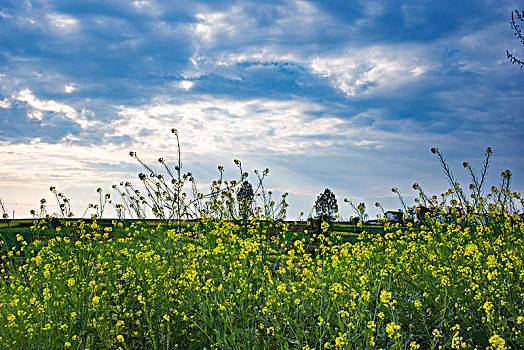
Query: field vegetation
[{"x": 223, "y": 270}]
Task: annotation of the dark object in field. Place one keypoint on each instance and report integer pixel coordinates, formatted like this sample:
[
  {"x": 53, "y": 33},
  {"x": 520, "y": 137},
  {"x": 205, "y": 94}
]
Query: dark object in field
[
  {"x": 395, "y": 216},
  {"x": 326, "y": 206}
]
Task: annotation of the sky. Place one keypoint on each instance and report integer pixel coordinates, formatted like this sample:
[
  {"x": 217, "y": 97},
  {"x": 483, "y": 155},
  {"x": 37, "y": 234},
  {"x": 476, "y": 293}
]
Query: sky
[{"x": 346, "y": 95}]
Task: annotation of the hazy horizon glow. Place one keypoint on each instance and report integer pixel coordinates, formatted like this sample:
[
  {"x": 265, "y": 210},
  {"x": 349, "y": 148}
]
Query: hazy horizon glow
[{"x": 345, "y": 95}]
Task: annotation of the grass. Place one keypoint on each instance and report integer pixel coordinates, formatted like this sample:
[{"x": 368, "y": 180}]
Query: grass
[{"x": 10, "y": 228}]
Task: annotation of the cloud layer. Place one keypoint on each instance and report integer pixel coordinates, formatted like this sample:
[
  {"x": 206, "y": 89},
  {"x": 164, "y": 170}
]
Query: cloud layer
[{"x": 346, "y": 95}]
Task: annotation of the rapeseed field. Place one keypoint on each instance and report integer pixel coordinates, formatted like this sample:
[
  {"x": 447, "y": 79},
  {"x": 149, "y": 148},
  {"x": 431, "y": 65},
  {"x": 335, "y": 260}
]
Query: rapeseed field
[
  {"x": 238, "y": 278},
  {"x": 444, "y": 286}
]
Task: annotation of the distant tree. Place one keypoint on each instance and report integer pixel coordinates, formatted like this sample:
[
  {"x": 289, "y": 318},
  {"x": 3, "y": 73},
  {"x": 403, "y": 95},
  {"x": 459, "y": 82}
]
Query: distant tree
[
  {"x": 326, "y": 206},
  {"x": 518, "y": 32},
  {"x": 245, "y": 197}
]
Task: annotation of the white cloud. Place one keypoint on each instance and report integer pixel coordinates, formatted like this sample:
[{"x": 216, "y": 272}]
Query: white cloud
[
  {"x": 5, "y": 103},
  {"x": 69, "y": 89},
  {"x": 63, "y": 22},
  {"x": 356, "y": 71},
  {"x": 226, "y": 38},
  {"x": 52, "y": 106},
  {"x": 147, "y": 7},
  {"x": 230, "y": 25},
  {"x": 352, "y": 70},
  {"x": 209, "y": 125},
  {"x": 50, "y": 158},
  {"x": 28, "y": 96},
  {"x": 419, "y": 70},
  {"x": 186, "y": 84},
  {"x": 238, "y": 31},
  {"x": 35, "y": 115},
  {"x": 29, "y": 169}
]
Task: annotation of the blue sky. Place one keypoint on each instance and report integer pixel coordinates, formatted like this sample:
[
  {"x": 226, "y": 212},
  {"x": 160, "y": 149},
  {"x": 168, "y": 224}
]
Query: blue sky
[{"x": 349, "y": 95}]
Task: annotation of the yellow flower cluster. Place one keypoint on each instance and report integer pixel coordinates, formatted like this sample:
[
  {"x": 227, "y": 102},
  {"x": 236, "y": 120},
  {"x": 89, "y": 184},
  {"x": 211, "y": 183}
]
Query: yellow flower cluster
[{"x": 232, "y": 285}]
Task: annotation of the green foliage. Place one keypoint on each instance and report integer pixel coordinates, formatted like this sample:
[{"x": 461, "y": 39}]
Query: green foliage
[{"x": 326, "y": 206}]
